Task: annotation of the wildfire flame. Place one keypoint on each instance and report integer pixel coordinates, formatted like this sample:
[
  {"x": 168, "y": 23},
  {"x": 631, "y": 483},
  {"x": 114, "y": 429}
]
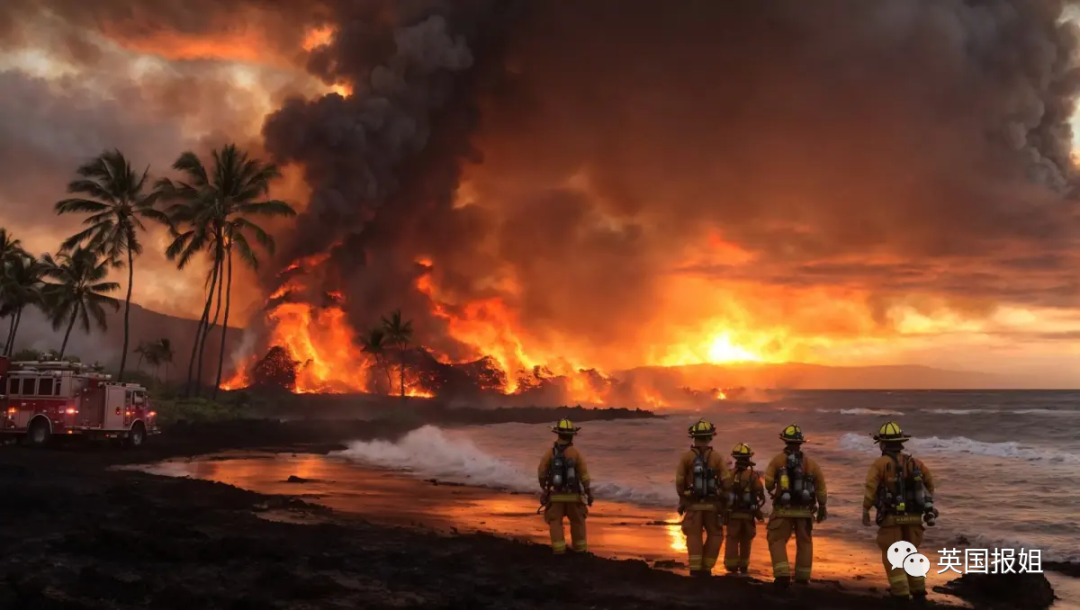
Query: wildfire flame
[{"x": 320, "y": 340}]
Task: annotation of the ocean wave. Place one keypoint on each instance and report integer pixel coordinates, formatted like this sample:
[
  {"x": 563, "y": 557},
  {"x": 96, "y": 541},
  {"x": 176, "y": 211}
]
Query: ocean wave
[
  {"x": 1045, "y": 412},
  {"x": 431, "y": 452},
  {"x": 959, "y": 411},
  {"x": 860, "y": 411},
  {"x": 967, "y": 446},
  {"x": 1002, "y": 411},
  {"x": 428, "y": 451}
]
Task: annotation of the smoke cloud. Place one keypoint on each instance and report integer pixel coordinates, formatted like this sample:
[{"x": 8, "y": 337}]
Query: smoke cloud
[
  {"x": 607, "y": 178},
  {"x": 616, "y": 171}
]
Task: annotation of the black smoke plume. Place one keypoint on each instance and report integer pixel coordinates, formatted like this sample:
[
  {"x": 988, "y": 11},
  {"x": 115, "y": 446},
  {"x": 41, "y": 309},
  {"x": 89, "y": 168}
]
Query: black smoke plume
[{"x": 893, "y": 148}]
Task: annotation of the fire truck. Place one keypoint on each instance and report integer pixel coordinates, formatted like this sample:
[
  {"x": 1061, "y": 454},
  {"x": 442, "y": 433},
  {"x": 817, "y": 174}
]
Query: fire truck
[{"x": 42, "y": 400}]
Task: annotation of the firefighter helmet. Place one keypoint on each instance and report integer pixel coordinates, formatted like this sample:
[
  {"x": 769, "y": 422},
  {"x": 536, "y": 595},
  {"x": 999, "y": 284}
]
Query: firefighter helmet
[
  {"x": 742, "y": 451},
  {"x": 702, "y": 429},
  {"x": 792, "y": 434},
  {"x": 565, "y": 427},
  {"x": 890, "y": 432}
]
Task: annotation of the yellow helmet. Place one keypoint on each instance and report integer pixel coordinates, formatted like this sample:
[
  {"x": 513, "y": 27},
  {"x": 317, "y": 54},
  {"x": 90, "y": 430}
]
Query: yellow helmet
[
  {"x": 792, "y": 434},
  {"x": 742, "y": 451},
  {"x": 702, "y": 429},
  {"x": 565, "y": 427},
  {"x": 890, "y": 431}
]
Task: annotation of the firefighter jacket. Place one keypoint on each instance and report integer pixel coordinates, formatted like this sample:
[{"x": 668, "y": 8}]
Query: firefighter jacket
[
  {"x": 684, "y": 478},
  {"x": 739, "y": 482},
  {"x": 811, "y": 471},
  {"x": 543, "y": 473},
  {"x": 883, "y": 472}
]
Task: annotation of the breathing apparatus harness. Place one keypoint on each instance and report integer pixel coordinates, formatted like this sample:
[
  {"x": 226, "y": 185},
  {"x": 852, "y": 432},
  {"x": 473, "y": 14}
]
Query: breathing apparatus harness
[
  {"x": 796, "y": 488},
  {"x": 702, "y": 483},
  {"x": 743, "y": 497},
  {"x": 911, "y": 497},
  {"x": 562, "y": 474}
]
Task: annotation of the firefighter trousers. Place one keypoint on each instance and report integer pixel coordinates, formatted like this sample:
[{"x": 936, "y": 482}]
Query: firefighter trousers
[
  {"x": 900, "y": 584},
  {"x": 703, "y": 554},
  {"x": 778, "y": 533},
  {"x": 740, "y": 533},
  {"x": 576, "y": 513}
]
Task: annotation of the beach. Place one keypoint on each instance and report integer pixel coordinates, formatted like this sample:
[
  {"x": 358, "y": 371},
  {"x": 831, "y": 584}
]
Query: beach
[{"x": 84, "y": 530}]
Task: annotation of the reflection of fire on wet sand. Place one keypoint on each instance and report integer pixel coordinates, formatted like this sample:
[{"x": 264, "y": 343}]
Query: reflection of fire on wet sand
[{"x": 615, "y": 530}]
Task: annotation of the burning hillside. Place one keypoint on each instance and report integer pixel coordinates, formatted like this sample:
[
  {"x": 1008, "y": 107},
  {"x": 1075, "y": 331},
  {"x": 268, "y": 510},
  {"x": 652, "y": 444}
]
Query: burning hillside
[{"x": 546, "y": 204}]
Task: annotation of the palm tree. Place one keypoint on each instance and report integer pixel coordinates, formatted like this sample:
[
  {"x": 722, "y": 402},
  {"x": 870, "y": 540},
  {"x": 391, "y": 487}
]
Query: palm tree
[
  {"x": 163, "y": 354},
  {"x": 9, "y": 248},
  {"x": 115, "y": 197},
  {"x": 145, "y": 351},
  {"x": 79, "y": 290},
  {"x": 22, "y": 287},
  {"x": 375, "y": 344},
  {"x": 216, "y": 206},
  {"x": 398, "y": 333}
]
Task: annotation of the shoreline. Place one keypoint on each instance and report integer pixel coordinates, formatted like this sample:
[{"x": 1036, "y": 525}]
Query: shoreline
[
  {"x": 81, "y": 536},
  {"x": 617, "y": 530}
]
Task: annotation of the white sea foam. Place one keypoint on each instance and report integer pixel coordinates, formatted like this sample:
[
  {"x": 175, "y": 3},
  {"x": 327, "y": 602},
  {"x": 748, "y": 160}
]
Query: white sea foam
[
  {"x": 965, "y": 446},
  {"x": 1002, "y": 411},
  {"x": 958, "y": 411},
  {"x": 432, "y": 452},
  {"x": 861, "y": 411},
  {"x": 428, "y": 451}
]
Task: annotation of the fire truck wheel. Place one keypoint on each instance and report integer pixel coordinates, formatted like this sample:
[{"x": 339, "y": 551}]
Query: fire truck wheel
[
  {"x": 137, "y": 436},
  {"x": 38, "y": 434}
]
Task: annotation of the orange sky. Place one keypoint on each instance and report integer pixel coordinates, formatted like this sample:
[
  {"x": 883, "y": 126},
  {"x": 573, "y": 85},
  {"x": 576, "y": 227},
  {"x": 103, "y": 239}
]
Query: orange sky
[{"x": 77, "y": 85}]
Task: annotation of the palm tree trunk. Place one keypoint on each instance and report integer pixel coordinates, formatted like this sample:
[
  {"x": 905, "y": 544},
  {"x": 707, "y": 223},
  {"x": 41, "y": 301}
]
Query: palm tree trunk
[
  {"x": 63, "y": 346},
  {"x": 403, "y": 347},
  {"x": 15, "y": 330},
  {"x": 389, "y": 374},
  {"x": 217, "y": 313},
  {"x": 10, "y": 336},
  {"x": 225, "y": 322},
  {"x": 127, "y": 314},
  {"x": 200, "y": 330}
]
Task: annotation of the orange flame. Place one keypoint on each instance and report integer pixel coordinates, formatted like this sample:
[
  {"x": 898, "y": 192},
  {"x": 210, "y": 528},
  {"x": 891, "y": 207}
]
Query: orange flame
[{"x": 322, "y": 341}]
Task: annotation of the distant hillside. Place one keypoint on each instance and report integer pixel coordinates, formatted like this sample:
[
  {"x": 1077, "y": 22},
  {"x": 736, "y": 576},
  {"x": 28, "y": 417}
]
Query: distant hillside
[
  {"x": 35, "y": 332},
  {"x": 797, "y": 376}
]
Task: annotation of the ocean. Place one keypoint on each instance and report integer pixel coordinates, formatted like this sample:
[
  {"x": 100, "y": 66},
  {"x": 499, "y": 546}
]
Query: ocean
[{"x": 1007, "y": 464}]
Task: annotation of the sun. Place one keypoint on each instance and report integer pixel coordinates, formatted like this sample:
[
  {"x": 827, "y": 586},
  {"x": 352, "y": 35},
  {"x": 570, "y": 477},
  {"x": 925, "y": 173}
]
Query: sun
[{"x": 723, "y": 350}]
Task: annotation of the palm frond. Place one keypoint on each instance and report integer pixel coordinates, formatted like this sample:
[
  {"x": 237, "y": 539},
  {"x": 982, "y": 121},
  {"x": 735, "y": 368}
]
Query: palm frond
[
  {"x": 243, "y": 248},
  {"x": 268, "y": 208},
  {"x": 104, "y": 287},
  {"x": 80, "y": 206}
]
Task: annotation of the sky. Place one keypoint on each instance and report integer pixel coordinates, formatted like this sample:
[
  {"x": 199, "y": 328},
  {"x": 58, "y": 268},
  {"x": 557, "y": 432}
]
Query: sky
[{"x": 857, "y": 212}]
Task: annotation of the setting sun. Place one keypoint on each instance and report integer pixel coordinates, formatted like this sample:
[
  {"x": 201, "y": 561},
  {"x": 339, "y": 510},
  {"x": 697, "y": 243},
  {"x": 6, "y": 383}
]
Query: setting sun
[{"x": 722, "y": 350}]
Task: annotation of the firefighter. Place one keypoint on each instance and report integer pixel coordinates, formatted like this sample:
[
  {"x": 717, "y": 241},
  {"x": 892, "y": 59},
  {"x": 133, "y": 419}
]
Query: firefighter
[
  {"x": 699, "y": 482},
  {"x": 797, "y": 485},
  {"x": 902, "y": 502},
  {"x": 745, "y": 497},
  {"x": 564, "y": 481}
]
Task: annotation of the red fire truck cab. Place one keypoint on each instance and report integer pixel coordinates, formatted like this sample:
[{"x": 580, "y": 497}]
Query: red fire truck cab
[{"x": 40, "y": 400}]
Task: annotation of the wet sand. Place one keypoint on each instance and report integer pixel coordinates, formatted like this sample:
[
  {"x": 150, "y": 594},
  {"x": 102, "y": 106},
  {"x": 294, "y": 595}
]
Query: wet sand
[{"x": 616, "y": 530}]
